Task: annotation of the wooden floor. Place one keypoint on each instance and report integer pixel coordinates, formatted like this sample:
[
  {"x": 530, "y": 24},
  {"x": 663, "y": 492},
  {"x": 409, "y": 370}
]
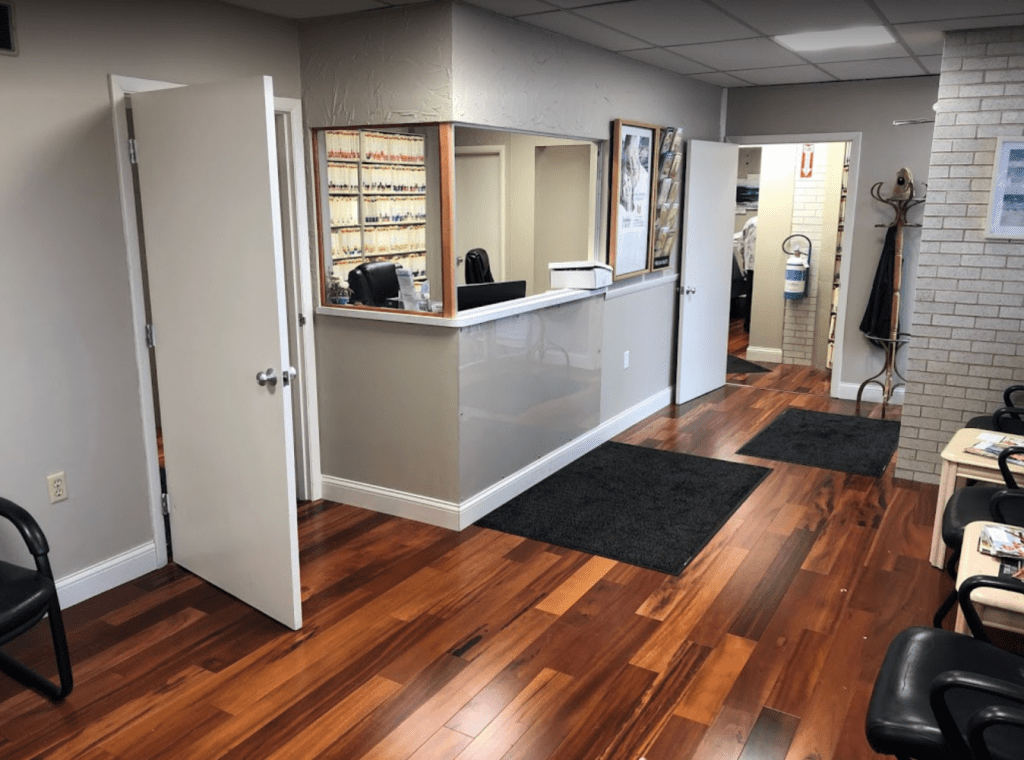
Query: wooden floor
[{"x": 427, "y": 644}]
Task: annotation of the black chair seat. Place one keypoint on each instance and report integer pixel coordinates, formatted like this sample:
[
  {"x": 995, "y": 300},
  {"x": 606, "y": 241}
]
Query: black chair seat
[
  {"x": 25, "y": 596},
  {"x": 900, "y": 718},
  {"x": 972, "y": 504}
]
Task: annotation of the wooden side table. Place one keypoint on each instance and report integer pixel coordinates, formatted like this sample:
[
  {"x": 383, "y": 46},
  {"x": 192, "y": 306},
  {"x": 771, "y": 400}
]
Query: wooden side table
[
  {"x": 957, "y": 464},
  {"x": 997, "y": 609}
]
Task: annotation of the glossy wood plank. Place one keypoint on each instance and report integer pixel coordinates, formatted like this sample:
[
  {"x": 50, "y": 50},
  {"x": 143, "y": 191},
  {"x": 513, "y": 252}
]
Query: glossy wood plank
[{"x": 426, "y": 644}]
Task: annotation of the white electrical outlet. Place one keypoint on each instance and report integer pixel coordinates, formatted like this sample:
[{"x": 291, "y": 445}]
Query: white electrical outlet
[
  {"x": 625, "y": 359},
  {"x": 57, "y": 485}
]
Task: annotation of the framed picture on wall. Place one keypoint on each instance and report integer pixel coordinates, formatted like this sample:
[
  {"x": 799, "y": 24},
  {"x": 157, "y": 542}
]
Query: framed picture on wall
[
  {"x": 666, "y": 212},
  {"x": 1006, "y": 202},
  {"x": 635, "y": 149}
]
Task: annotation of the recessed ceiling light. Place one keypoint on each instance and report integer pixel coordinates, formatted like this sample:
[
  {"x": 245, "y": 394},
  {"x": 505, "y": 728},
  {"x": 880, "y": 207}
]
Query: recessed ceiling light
[{"x": 857, "y": 36}]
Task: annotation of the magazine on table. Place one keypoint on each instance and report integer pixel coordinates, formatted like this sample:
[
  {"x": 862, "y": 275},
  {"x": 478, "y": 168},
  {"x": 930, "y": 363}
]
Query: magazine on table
[
  {"x": 1011, "y": 568},
  {"x": 991, "y": 445},
  {"x": 1002, "y": 541}
]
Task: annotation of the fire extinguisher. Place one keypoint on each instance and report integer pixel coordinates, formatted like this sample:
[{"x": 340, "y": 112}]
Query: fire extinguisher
[{"x": 797, "y": 265}]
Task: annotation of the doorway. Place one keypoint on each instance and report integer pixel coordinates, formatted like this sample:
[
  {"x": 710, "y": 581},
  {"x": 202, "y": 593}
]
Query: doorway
[{"x": 791, "y": 197}]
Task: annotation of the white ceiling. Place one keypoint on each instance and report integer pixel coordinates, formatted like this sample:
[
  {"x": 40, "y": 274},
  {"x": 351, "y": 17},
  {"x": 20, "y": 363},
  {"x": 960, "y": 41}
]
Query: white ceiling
[{"x": 728, "y": 42}]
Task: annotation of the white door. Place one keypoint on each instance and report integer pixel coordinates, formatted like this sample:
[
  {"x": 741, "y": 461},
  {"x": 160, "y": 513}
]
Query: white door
[
  {"x": 212, "y": 226},
  {"x": 480, "y": 205},
  {"x": 709, "y": 205}
]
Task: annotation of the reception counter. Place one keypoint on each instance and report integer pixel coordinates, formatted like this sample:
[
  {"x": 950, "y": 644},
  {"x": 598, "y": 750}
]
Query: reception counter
[{"x": 443, "y": 420}]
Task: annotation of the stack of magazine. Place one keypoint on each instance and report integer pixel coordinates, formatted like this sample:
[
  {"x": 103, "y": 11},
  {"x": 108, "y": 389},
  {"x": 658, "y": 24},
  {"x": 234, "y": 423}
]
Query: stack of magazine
[
  {"x": 992, "y": 444},
  {"x": 1006, "y": 543}
]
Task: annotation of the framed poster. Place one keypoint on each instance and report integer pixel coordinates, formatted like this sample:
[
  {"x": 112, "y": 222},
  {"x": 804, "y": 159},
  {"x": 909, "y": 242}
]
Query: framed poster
[
  {"x": 666, "y": 226},
  {"x": 1006, "y": 202},
  {"x": 630, "y": 237}
]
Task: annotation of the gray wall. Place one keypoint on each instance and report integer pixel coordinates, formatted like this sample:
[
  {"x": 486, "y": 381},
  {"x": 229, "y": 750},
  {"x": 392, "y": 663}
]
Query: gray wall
[
  {"x": 970, "y": 290},
  {"x": 867, "y": 107},
  {"x": 70, "y": 383}
]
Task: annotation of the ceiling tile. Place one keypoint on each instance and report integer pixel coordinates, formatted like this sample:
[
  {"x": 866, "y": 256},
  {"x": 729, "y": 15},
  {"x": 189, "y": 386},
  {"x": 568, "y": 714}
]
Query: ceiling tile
[
  {"x": 892, "y": 50},
  {"x": 668, "y": 22},
  {"x": 513, "y": 7},
  {"x": 953, "y": 24},
  {"x": 310, "y": 8},
  {"x": 931, "y": 62},
  {"x": 921, "y": 41},
  {"x": 722, "y": 80},
  {"x": 739, "y": 54},
  {"x": 578, "y": 28},
  {"x": 901, "y": 11},
  {"x": 880, "y": 69},
  {"x": 800, "y": 15},
  {"x": 665, "y": 60},
  {"x": 570, "y": 3},
  {"x": 784, "y": 75}
]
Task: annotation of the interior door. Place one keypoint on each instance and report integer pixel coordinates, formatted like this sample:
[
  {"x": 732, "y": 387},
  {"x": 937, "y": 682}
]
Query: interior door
[
  {"x": 212, "y": 224},
  {"x": 480, "y": 206},
  {"x": 709, "y": 205}
]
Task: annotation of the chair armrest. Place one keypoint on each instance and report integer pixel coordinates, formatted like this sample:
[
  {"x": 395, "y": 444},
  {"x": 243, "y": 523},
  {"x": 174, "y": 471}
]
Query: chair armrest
[
  {"x": 1004, "y": 467},
  {"x": 967, "y": 605},
  {"x": 986, "y": 718},
  {"x": 999, "y": 497},
  {"x": 962, "y": 679},
  {"x": 26, "y": 525},
  {"x": 1008, "y": 394}
]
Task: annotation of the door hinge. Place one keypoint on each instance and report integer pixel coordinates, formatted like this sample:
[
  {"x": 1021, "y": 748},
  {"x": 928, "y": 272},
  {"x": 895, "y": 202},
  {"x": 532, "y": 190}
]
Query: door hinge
[
  {"x": 150, "y": 336},
  {"x": 165, "y": 503},
  {"x": 132, "y": 155},
  {"x": 302, "y": 320}
]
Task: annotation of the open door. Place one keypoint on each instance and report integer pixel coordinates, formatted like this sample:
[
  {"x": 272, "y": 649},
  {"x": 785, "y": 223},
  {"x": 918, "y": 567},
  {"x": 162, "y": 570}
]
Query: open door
[
  {"x": 709, "y": 205},
  {"x": 209, "y": 187}
]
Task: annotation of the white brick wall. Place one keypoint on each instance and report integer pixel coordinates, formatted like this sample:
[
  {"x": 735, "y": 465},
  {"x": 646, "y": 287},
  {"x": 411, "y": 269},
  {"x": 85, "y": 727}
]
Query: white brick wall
[
  {"x": 808, "y": 207},
  {"x": 969, "y": 309}
]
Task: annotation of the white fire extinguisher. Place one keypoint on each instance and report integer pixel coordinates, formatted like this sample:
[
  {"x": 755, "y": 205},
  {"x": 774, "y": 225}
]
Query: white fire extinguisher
[{"x": 797, "y": 264}]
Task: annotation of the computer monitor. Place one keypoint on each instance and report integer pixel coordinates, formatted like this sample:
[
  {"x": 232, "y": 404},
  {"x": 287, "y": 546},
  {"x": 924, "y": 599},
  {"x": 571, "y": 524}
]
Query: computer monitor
[{"x": 486, "y": 293}]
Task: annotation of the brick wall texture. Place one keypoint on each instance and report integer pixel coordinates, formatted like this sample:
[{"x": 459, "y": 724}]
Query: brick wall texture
[{"x": 966, "y": 346}]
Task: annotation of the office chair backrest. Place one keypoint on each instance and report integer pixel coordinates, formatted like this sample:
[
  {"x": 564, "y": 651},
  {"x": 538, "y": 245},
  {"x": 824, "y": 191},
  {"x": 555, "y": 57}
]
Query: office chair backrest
[
  {"x": 478, "y": 267},
  {"x": 374, "y": 282}
]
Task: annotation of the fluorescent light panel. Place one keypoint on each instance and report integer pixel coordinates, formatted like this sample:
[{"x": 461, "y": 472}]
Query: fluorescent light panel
[{"x": 857, "y": 36}]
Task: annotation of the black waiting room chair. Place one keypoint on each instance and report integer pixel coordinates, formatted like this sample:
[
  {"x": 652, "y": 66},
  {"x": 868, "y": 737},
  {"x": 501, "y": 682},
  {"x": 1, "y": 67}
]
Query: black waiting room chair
[
  {"x": 941, "y": 695},
  {"x": 1008, "y": 418},
  {"x": 26, "y": 596},
  {"x": 981, "y": 502}
]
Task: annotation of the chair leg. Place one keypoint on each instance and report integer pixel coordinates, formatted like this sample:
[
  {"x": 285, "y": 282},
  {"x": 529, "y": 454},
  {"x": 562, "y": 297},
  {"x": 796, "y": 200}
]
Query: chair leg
[
  {"x": 943, "y": 610},
  {"x": 33, "y": 680},
  {"x": 953, "y": 561}
]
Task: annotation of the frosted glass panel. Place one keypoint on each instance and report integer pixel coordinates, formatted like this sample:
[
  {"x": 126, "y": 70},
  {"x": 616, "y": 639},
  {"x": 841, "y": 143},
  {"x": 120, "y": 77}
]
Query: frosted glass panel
[{"x": 528, "y": 384}]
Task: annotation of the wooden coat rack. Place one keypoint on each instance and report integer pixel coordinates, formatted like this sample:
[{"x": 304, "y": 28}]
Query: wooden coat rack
[{"x": 901, "y": 200}]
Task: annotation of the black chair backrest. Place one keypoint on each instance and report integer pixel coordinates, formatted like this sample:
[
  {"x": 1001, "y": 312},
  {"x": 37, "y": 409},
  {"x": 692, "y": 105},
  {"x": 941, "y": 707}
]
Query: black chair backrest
[
  {"x": 374, "y": 282},
  {"x": 478, "y": 267}
]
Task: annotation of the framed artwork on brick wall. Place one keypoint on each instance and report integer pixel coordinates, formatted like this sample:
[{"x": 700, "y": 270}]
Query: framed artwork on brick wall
[{"x": 1006, "y": 202}]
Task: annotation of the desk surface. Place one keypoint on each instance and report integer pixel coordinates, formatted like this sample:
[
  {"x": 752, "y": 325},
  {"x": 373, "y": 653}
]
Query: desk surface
[
  {"x": 1002, "y": 609},
  {"x": 954, "y": 451}
]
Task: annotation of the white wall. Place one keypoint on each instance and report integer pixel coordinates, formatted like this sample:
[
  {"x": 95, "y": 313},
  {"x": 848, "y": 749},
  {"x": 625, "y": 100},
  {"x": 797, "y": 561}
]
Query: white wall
[
  {"x": 868, "y": 107},
  {"x": 70, "y": 383}
]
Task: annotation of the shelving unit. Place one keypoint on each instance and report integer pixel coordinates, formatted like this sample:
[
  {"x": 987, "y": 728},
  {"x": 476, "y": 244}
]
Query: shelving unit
[{"x": 376, "y": 187}]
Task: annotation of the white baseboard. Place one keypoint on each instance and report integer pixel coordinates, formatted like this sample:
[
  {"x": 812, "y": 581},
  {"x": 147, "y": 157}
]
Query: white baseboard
[
  {"x": 872, "y": 393},
  {"x": 446, "y": 514},
  {"x": 87, "y": 583},
  {"x": 759, "y": 354}
]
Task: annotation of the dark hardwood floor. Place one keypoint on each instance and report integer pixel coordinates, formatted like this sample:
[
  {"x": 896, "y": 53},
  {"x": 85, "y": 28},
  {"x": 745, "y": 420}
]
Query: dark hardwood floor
[{"x": 425, "y": 644}]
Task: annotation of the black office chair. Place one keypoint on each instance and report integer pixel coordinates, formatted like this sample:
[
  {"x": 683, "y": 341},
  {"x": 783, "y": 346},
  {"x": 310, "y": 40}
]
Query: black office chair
[
  {"x": 1007, "y": 418},
  {"x": 994, "y": 503},
  {"x": 25, "y": 597},
  {"x": 374, "y": 283},
  {"x": 478, "y": 267},
  {"x": 941, "y": 695}
]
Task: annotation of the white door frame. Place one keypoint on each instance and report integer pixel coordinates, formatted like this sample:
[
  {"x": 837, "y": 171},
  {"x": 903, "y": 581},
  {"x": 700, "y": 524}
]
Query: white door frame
[
  {"x": 120, "y": 87},
  {"x": 854, "y": 138}
]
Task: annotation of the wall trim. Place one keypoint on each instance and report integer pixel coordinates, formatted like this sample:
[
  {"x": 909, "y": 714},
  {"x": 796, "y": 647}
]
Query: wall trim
[
  {"x": 448, "y": 514},
  {"x": 756, "y": 354},
  {"x": 108, "y": 574},
  {"x": 872, "y": 393}
]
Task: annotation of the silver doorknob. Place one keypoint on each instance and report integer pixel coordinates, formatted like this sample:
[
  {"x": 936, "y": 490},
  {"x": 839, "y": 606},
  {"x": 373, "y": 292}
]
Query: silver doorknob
[
  {"x": 689, "y": 290},
  {"x": 267, "y": 378}
]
